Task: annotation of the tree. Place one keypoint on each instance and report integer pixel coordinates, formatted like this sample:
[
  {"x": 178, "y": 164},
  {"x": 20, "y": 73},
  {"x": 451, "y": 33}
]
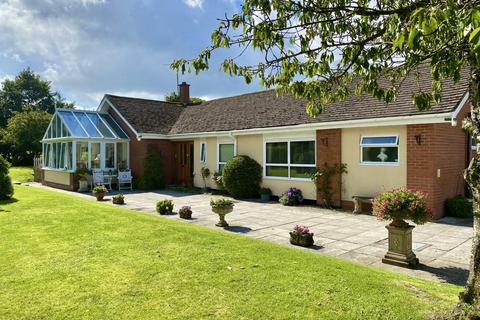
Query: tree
[
  {"x": 24, "y": 132},
  {"x": 174, "y": 97},
  {"x": 28, "y": 92},
  {"x": 326, "y": 50}
]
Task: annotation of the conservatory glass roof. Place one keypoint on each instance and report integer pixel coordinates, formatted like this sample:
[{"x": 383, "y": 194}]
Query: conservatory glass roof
[{"x": 83, "y": 124}]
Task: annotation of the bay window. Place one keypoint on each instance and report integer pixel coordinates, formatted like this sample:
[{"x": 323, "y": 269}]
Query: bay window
[
  {"x": 379, "y": 150},
  {"x": 290, "y": 159}
]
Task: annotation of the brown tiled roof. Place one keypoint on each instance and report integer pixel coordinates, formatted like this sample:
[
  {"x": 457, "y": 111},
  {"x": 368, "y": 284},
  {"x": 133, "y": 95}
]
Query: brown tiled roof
[
  {"x": 147, "y": 116},
  {"x": 266, "y": 109}
]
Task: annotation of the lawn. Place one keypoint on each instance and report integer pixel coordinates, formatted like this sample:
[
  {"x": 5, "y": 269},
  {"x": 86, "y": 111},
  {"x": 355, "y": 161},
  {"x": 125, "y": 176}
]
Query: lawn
[
  {"x": 64, "y": 257},
  {"x": 21, "y": 174}
]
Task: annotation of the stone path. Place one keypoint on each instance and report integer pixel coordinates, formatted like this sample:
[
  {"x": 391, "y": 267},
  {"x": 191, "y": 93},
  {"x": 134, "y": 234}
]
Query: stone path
[{"x": 443, "y": 247}]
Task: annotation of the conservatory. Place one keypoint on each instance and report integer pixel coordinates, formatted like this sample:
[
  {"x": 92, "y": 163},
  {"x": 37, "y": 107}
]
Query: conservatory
[{"x": 78, "y": 139}]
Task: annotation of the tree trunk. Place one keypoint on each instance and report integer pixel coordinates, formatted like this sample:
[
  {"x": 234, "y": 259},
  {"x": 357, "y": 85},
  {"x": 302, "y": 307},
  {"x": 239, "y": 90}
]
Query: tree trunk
[{"x": 471, "y": 295}]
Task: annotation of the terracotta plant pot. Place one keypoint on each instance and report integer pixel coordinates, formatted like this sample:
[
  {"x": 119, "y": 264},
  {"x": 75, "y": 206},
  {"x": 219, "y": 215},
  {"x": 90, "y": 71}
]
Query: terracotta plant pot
[
  {"x": 301, "y": 239},
  {"x": 222, "y": 211},
  {"x": 400, "y": 251},
  {"x": 99, "y": 196}
]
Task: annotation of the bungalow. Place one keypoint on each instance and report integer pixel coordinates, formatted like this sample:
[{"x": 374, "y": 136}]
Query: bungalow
[{"x": 384, "y": 146}]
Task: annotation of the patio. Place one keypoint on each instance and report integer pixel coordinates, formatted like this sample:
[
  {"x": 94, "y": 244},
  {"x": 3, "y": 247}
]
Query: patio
[{"x": 443, "y": 247}]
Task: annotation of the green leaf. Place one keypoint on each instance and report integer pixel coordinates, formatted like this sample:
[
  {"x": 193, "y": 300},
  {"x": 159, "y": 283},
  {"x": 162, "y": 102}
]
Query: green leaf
[
  {"x": 475, "y": 37},
  {"x": 398, "y": 43},
  {"x": 412, "y": 38}
]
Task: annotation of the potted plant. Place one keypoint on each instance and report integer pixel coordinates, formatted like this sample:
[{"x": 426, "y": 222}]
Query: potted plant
[
  {"x": 205, "y": 174},
  {"x": 397, "y": 206},
  {"x": 118, "y": 199},
  {"x": 165, "y": 207},
  {"x": 221, "y": 207},
  {"x": 265, "y": 194},
  {"x": 84, "y": 174},
  {"x": 292, "y": 197},
  {"x": 99, "y": 192},
  {"x": 301, "y": 236},
  {"x": 185, "y": 212}
]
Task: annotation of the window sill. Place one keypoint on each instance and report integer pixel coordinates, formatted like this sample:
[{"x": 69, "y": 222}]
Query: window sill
[
  {"x": 58, "y": 170},
  {"x": 287, "y": 179},
  {"x": 383, "y": 164}
]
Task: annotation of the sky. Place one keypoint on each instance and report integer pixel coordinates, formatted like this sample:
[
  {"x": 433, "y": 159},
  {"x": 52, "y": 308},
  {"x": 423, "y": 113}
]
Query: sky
[{"x": 87, "y": 48}]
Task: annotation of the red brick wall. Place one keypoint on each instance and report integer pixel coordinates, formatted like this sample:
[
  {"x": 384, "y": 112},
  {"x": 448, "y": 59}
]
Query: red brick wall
[
  {"x": 329, "y": 150},
  {"x": 443, "y": 147},
  {"x": 139, "y": 149}
]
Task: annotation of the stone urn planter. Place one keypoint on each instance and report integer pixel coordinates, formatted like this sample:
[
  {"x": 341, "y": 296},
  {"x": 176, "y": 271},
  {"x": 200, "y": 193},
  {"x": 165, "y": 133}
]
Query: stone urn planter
[
  {"x": 82, "y": 185},
  {"x": 397, "y": 206},
  {"x": 400, "y": 251},
  {"x": 222, "y": 207},
  {"x": 301, "y": 236},
  {"x": 265, "y": 194}
]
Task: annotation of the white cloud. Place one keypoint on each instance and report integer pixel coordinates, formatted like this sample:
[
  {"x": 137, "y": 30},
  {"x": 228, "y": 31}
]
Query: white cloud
[
  {"x": 194, "y": 3},
  {"x": 97, "y": 96}
]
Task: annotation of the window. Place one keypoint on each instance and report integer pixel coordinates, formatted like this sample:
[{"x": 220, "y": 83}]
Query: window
[
  {"x": 473, "y": 143},
  {"x": 58, "y": 155},
  {"x": 226, "y": 151},
  {"x": 379, "y": 150},
  {"x": 110, "y": 155},
  {"x": 96, "y": 156},
  {"x": 82, "y": 154},
  {"x": 203, "y": 156},
  {"x": 290, "y": 159}
]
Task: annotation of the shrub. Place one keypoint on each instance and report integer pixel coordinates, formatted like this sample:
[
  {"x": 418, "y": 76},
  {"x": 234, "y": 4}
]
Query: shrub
[
  {"x": 402, "y": 204},
  {"x": 459, "y": 207},
  {"x": 242, "y": 177},
  {"x": 153, "y": 177},
  {"x": 205, "y": 174},
  {"x": 221, "y": 203},
  {"x": 165, "y": 207},
  {"x": 6, "y": 187},
  {"x": 218, "y": 180},
  {"x": 83, "y": 172},
  {"x": 185, "y": 212},
  {"x": 292, "y": 197}
]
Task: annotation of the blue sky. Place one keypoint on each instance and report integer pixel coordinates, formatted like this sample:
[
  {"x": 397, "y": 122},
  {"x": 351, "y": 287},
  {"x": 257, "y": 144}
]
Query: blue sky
[{"x": 90, "y": 47}]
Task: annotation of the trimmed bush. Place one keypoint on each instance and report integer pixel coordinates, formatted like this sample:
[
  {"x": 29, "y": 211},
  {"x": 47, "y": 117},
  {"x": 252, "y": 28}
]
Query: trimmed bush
[
  {"x": 6, "y": 187},
  {"x": 459, "y": 207},
  {"x": 153, "y": 176},
  {"x": 242, "y": 176},
  {"x": 165, "y": 207}
]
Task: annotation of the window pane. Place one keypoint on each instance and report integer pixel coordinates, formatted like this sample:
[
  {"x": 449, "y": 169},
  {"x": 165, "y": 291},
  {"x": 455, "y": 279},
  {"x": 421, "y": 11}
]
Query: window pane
[
  {"x": 277, "y": 171},
  {"x": 225, "y": 152},
  {"x": 96, "y": 157},
  {"x": 100, "y": 125},
  {"x": 220, "y": 167},
  {"x": 89, "y": 127},
  {"x": 277, "y": 152},
  {"x": 109, "y": 155},
  {"x": 202, "y": 152},
  {"x": 114, "y": 126},
  {"x": 380, "y": 154},
  {"x": 302, "y": 172},
  {"x": 58, "y": 123},
  {"x": 46, "y": 160},
  {"x": 122, "y": 156},
  {"x": 61, "y": 157},
  {"x": 68, "y": 156},
  {"x": 72, "y": 123},
  {"x": 82, "y": 155},
  {"x": 379, "y": 140},
  {"x": 302, "y": 152}
]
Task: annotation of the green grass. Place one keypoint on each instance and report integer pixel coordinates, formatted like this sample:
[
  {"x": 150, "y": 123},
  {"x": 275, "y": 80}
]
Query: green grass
[
  {"x": 21, "y": 174},
  {"x": 63, "y": 257}
]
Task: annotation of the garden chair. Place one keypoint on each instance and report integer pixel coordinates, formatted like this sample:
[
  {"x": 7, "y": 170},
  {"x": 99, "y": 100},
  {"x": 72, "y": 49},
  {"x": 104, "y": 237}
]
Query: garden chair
[
  {"x": 124, "y": 180},
  {"x": 100, "y": 180}
]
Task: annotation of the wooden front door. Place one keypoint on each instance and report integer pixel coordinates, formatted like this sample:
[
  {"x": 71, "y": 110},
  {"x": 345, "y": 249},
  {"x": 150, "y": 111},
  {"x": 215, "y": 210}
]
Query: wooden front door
[{"x": 183, "y": 157}]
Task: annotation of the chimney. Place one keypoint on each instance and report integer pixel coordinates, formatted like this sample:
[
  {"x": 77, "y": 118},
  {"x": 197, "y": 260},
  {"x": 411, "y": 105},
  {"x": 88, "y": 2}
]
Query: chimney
[{"x": 184, "y": 93}]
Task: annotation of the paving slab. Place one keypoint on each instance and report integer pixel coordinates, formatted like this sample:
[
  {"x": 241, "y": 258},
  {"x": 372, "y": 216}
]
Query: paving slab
[{"x": 443, "y": 247}]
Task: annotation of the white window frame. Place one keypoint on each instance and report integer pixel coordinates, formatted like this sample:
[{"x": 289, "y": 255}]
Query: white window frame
[
  {"x": 288, "y": 164},
  {"x": 203, "y": 152},
  {"x": 233, "y": 142},
  {"x": 377, "y": 145}
]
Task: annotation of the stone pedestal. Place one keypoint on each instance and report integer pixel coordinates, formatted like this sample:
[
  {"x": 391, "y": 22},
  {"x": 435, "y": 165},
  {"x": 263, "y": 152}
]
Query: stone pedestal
[
  {"x": 400, "y": 246},
  {"x": 83, "y": 186}
]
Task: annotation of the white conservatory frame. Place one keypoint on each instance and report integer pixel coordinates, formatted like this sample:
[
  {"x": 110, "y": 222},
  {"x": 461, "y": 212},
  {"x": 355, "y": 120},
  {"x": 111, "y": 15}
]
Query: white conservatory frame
[{"x": 70, "y": 127}]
